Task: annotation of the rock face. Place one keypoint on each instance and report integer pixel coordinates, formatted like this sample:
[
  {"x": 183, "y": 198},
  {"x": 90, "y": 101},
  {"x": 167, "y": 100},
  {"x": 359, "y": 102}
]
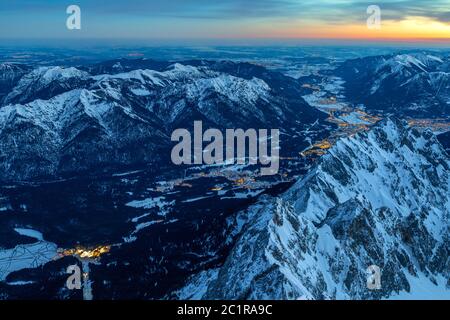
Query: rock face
[
  {"x": 45, "y": 83},
  {"x": 378, "y": 198},
  {"x": 413, "y": 84},
  {"x": 444, "y": 139},
  {"x": 10, "y": 74},
  {"x": 58, "y": 122}
]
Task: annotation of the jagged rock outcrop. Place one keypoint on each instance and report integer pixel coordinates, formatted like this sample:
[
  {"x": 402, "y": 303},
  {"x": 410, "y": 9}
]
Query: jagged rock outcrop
[
  {"x": 411, "y": 84},
  {"x": 378, "y": 198},
  {"x": 59, "y": 122}
]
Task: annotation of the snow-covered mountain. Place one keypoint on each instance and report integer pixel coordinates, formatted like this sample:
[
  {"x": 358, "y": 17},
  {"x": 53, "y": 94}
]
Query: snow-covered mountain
[
  {"x": 44, "y": 83},
  {"x": 417, "y": 84},
  {"x": 378, "y": 198},
  {"x": 10, "y": 74},
  {"x": 444, "y": 139},
  {"x": 60, "y": 121}
]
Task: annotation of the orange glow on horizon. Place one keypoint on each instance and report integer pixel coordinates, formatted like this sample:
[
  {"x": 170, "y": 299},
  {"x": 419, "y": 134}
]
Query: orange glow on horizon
[{"x": 409, "y": 29}]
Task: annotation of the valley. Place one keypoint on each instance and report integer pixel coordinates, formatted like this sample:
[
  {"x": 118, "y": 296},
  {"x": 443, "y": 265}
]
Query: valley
[{"x": 147, "y": 227}]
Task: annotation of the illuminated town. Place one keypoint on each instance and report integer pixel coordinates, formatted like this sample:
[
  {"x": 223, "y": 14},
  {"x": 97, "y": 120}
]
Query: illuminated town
[
  {"x": 436, "y": 125},
  {"x": 85, "y": 253}
]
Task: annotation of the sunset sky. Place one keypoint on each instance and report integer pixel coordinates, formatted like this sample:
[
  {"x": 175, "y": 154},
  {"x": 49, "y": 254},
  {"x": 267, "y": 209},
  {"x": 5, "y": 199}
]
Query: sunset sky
[{"x": 231, "y": 19}]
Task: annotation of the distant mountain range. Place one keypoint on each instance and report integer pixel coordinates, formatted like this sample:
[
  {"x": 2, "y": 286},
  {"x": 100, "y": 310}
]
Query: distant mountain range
[
  {"x": 10, "y": 74},
  {"x": 378, "y": 198},
  {"x": 413, "y": 84},
  {"x": 57, "y": 121}
]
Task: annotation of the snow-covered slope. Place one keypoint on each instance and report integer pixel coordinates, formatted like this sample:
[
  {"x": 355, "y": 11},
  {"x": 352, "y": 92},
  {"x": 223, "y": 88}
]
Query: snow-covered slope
[
  {"x": 182, "y": 91},
  {"x": 417, "y": 84},
  {"x": 10, "y": 74},
  {"x": 72, "y": 132},
  {"x": 44, "y": 83},
  {"x": 63, "y": 121},
  {"x": 378, "y": 198},
  {"x": 444, "y": 139}
]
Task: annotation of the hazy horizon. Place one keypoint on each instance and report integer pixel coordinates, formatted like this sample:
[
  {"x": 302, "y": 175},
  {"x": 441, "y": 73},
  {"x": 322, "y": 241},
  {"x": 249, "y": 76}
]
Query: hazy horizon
[
  {"x": 232, "y": 20},
  {"x": 218, "y": 42}
]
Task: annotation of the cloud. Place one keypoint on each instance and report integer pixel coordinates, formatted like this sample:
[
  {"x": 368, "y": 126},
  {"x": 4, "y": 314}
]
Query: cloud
[
  {"x": 205, "y": 16},
  {"x": 326, "y": 10}
]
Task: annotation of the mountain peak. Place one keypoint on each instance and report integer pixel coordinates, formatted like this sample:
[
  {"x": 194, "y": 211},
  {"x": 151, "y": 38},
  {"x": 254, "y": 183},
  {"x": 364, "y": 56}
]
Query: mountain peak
[
  {"x": 378, "y": 198},
  {"x": 44, "y": 83},
  {"x": 413, "y": 84}
]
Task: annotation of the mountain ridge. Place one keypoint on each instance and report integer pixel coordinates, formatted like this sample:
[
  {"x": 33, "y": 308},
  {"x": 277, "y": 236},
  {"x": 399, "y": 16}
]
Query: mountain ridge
[
  {"x": 379, "y": 198},
  {"x": 412, "y": 84},
  {"x": 64, "y": 121}
]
